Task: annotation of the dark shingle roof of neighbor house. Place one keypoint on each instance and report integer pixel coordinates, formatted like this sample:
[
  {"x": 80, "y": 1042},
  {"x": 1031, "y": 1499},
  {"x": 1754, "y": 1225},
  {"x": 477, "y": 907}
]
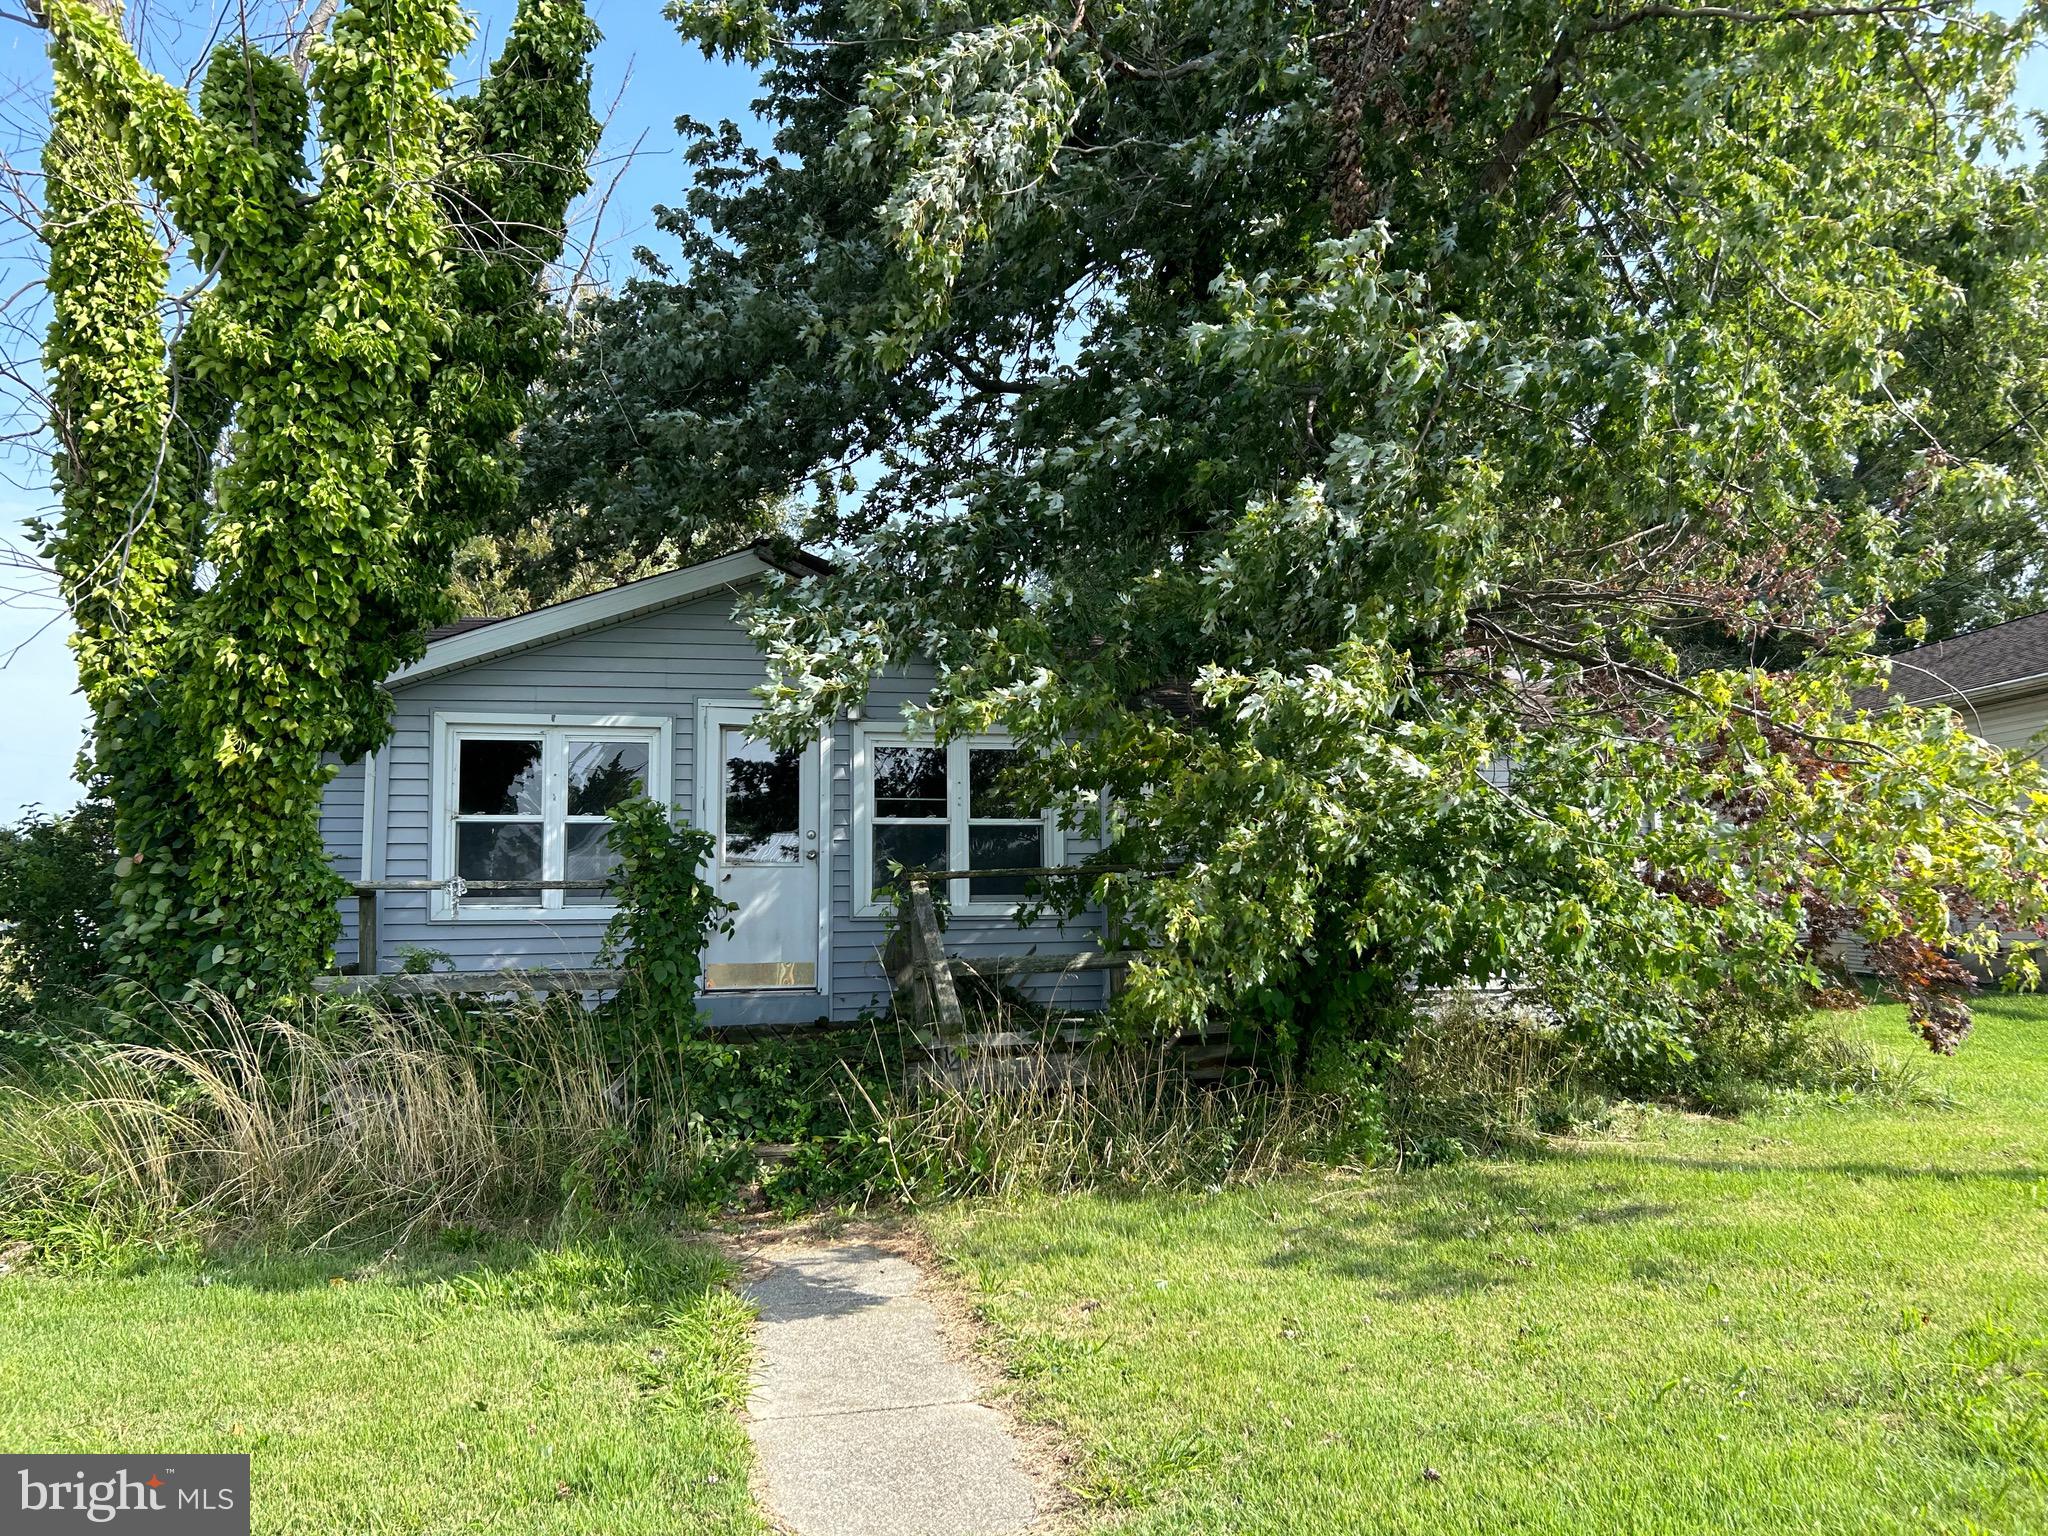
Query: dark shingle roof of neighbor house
[
  {"x": 2013, "y": 652},
  {"x": 789, "y": 558}
]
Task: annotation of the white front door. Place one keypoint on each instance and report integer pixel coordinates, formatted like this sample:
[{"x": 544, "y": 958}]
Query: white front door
[{"x": 761, "y": 806}]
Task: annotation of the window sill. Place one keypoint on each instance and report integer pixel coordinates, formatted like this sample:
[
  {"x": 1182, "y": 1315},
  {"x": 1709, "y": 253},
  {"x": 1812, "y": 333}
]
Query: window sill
[
  {"x": 981, "y": 910},
  {"x": 524, "y": 914}
]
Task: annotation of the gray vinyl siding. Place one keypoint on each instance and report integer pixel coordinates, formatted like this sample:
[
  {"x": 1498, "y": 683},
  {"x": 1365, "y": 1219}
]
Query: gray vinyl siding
[
  {"x": 659, "y": 664},
  {"x": 341, "y": 830},
  {"x": 859, "y": 980}
]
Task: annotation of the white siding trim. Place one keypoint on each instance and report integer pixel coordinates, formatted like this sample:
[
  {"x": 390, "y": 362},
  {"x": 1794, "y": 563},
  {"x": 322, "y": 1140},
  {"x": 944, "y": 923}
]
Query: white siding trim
[
  {"x": 451, "y": 725},
  {"x": 825, "y": 864},
  {"x": 364, "y": 868},
  {"x": 580, "y": 613}
]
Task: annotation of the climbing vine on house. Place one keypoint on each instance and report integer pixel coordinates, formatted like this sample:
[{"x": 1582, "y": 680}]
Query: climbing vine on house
[
  {"x": 358, "y": 359},
  {"x": 667, "y": 914}
]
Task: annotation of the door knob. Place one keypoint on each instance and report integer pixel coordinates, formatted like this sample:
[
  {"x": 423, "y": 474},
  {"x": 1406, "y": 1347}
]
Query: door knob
[{"x": 810, "y": 853}]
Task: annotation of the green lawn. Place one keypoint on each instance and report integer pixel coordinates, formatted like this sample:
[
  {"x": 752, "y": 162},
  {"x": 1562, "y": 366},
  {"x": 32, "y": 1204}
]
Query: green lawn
[
  {"x": 1822, "y": 1318},
  {"x": 583, "y": 1385}
]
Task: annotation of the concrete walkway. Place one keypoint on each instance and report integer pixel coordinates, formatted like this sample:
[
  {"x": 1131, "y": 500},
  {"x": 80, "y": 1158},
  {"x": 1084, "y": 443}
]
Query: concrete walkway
[{"x": 864, "y": 1424}]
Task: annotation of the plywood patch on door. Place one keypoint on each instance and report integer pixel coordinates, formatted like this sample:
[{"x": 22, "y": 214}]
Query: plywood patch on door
[{"x": 735, "y": 976}]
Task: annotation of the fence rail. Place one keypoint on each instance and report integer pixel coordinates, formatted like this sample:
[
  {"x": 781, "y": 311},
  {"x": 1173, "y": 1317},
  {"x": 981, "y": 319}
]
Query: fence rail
[
  {"x": 927, "y": 979},
  {"x": 925, "y": 976},
  {"x": 366, "y": 893},
  {"x": 472, "y": 983}
]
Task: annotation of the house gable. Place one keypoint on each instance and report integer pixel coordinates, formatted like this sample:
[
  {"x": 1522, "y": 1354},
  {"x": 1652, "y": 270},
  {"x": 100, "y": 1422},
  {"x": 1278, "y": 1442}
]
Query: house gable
[
  {"x": 467, "y": 645},
  {"x": 668, "y": 650}
]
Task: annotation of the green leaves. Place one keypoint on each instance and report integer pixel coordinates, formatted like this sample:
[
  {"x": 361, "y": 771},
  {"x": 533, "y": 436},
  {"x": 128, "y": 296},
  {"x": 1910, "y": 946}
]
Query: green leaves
[
  {"x": 964, "y": 134},
  {"x": 370, "y": 343},
  {"x": 667, "y": 913},
  {"x": 1438, "y": 468}
]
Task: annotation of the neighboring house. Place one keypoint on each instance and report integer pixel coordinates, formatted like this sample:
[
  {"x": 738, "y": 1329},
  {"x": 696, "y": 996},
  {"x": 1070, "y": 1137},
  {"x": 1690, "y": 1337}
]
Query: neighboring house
[
  {"x": 1995, "y": 679},
  {"x": 512, "y": 737}
]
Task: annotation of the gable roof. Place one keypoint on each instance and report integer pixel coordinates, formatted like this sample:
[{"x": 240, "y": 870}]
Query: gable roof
[
  {"x": 460, "y": 626},
  {"x": 469, "y": 641},
  {"x": 2006, "y": 658}
]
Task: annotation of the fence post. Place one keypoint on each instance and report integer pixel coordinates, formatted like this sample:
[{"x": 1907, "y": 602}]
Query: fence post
[
  {"x": 1113, "y": 936},
  {"x": 924, "y": 935},
  {"x": 366, "y": 933}
]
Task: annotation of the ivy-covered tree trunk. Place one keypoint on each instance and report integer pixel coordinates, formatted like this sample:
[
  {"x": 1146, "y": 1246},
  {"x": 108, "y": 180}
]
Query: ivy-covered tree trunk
[
  {"x": 124, "y": 547},
  {"x": 349, "y": 475},
  {"x": 517, "y": 159}
]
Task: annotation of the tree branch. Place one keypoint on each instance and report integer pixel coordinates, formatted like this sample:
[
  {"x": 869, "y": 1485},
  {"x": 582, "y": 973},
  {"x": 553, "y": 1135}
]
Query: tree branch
[
  {"x": 1533, "y": 121},
  {"x": 988, "y": 383}
]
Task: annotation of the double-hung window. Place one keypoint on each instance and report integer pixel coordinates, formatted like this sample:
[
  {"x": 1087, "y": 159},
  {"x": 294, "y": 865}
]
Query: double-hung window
[
  {"x": 923, "y": 806},
  {"x": 520, "y": 799}
]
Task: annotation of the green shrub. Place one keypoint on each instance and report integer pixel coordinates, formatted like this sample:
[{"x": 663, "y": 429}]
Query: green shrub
[
  {"x": 56, "y": 880},
  {"x": 1740, "y": 1043},
  {"x": 667, "y": 913},
  {"x": 1477, "y": 1073},
  {"x": 1812, "y": 1058},
  {"x": 1744, "y": 1050}
]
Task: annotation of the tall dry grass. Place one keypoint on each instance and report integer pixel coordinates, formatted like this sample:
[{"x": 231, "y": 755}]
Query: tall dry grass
[
  {"x": 1042, "y": 1119},
  {"x": 355, "y": 1119},
  {"x": 1482, "y": 1070},
  {"x": 351, "y": 1116}
]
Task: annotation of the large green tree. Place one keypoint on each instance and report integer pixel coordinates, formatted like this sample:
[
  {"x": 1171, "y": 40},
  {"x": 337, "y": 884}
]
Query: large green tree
[
  {"x": 334, "y": 421},
  {"x": 1442, "y": 466}
]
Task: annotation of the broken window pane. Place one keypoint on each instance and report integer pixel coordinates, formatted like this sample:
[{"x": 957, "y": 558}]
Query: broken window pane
[
  {"x": 498, "y": 778},
  {"x": 498, "y": 850},
  {"x": 603, "y": 774}
]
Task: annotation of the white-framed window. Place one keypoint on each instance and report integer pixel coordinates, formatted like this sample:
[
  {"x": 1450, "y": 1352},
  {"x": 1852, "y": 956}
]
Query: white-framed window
[
  {"x": 528, "y": 797},
  {"x": 924, "y": 806}
]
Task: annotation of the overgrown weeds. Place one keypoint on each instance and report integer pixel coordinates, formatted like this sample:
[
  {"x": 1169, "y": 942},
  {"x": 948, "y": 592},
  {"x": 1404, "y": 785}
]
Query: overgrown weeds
[
  {"x": 351, "y": 1118},
  {"x": 1477, "y": 1072},
  {"x": 1117, "y": 1116}
]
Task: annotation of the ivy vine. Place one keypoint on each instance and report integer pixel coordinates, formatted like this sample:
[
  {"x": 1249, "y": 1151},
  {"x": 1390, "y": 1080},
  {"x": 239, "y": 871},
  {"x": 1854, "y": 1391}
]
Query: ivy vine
[{"x": 360, "y": 355}]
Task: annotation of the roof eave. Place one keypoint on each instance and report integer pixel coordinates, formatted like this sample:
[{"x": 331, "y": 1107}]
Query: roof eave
[{"x": 1982, "y": 693}]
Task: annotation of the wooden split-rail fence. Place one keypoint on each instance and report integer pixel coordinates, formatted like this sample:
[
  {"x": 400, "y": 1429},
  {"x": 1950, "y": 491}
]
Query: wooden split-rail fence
[
  {"x": 927, "y": 979},
  {"x": 363, "y": 976},
  {"x": 961, "y": 1045}
]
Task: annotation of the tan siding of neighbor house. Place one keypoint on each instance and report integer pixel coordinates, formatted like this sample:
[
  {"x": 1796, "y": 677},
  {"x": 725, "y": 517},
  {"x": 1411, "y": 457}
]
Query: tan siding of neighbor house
[{"x": 2012, "y": 723}]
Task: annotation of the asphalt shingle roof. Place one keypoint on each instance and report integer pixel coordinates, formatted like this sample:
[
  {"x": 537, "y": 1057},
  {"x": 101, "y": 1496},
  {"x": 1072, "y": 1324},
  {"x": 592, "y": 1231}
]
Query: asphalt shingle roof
[
  {"x": 2004, "y": 653},
  {"x": 459, "y": 627}
]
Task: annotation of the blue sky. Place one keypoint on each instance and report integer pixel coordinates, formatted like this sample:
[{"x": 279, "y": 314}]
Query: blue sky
[{"x": 645, "y": 77}]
